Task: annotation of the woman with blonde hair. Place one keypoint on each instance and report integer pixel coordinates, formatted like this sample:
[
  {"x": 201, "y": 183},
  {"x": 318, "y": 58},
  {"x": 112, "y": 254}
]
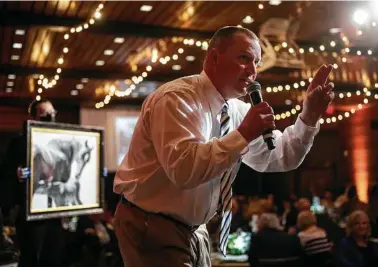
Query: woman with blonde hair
[
  {"x": 357, "y": 249},
  {"x": 314, "y": 240}
]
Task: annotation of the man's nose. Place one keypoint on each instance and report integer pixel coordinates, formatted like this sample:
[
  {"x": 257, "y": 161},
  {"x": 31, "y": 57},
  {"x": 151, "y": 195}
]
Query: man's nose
[{"x": 252, "y": 71}]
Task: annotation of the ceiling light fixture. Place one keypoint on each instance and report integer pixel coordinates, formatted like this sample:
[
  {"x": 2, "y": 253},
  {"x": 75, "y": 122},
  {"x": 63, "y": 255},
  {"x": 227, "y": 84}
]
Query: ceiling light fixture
[
  {"x": 17, "y": 45},
  {"x": 79, "y": 86},
  {"x": 176, "y": 67},
  {"x": 146, "y": 8},
  {"x": 74, "y": 92},
  {"x": 119, "y": 40},
  {"x": 334, "y": 30},
  {"x": 8, "y": 90},
  {"x": 15, "y": 57},
  {"x": 248, "y": 20},
  {"x": 274, "y": 2},
  {"x": 190, "y": 58},
  {"x": 20, "y": 32},
  {"x": 360, "y": 16},
  {"x": 11, "y": 76},
  {"x": 108, "y": 52},
  {"x": 100, "y": 63}
]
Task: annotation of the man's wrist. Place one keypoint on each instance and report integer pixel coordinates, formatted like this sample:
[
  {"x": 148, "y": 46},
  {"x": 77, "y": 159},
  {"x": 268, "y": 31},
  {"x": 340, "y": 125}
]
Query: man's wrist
[
  {"x": 244, "y": 133},
  {"x": 309, "y": 119}
]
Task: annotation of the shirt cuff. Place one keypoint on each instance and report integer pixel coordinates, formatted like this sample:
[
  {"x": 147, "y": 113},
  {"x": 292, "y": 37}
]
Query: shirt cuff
[
  {"x": 235, "y": 143},
  {"x": 304, "y": 132}
]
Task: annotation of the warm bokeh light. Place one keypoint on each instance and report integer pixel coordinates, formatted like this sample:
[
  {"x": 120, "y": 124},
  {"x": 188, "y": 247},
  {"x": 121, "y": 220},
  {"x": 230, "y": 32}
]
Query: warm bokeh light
[
  {"x": 360, "y": 159},
  {"x": 361, "y": 174}
]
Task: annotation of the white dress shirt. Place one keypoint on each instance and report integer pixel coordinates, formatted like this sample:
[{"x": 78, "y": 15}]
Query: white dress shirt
[{"x": 176, "y": 155}]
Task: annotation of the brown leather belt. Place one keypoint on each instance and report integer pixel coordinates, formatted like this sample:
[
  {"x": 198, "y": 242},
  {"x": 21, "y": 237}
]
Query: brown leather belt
[{"x": 176, "y": 221}]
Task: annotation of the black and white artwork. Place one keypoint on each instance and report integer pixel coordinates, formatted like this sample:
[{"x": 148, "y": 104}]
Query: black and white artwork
[{"x": 65, "y": 164}]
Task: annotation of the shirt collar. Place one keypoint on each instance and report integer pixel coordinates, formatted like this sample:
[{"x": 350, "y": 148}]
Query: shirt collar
[{"x": 215, "y": 99}]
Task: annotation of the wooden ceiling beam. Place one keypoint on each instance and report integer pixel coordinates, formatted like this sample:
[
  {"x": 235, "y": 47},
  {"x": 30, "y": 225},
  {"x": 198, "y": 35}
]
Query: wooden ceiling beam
[
  {"x": 99, "y": 74},
  {"x": 103, "y": 74},
  {"x": 114, "y": 74},
  {"x": 116, "y": 28}
]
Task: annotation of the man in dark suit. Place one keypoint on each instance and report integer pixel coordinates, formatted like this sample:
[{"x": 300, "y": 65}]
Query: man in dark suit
[{"x": 41, "y": 242}]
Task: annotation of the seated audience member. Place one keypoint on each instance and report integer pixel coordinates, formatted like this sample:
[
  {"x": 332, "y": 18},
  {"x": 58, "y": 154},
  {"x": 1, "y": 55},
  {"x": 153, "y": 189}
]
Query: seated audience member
[
  {"x": 273, "y": 247},
  {"x": 334, "y": 232},
  {"x": 357, "y": 249},
  {"x": 285, "y": 209},
  {"x": 314, "y": 240},
  {"x": 238, "y": 222},
  {"x": 291, "y": 220},
  {"x": 373, "y": 210}
]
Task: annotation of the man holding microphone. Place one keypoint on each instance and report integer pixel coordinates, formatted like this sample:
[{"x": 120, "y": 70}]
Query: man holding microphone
[{"x": 188, "y": 144}]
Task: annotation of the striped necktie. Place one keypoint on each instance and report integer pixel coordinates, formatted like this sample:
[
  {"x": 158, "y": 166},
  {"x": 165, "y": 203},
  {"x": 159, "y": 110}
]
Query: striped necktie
[{"x": 224, "y": 206}]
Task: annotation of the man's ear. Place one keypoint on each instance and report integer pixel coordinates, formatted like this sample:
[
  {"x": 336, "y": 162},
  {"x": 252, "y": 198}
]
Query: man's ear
[{"x": 213, "y": 56}]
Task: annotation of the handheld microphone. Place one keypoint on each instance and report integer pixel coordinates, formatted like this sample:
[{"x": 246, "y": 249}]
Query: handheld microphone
[{"x": 254, "y": 91}]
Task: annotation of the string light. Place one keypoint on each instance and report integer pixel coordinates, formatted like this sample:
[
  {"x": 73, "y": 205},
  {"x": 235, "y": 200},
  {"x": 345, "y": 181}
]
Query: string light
[
  {"x": 44, "y": 82},
  {"x": 322, "y": 48},
  {"x": 135, "y": 80},
  {"x": 288, "y": 114},
  {"x": 204, "y": 45},
  {"x": 336, "y": 118}
]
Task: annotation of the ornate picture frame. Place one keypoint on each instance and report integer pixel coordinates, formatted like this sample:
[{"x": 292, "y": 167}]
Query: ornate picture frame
[{"x": 66, "y": 163}]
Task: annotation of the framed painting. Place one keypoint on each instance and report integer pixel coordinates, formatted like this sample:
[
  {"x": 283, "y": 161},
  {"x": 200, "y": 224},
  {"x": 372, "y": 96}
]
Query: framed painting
[
  {"x": 66, "y": 163},
  {"x": 124, "y": 129}
]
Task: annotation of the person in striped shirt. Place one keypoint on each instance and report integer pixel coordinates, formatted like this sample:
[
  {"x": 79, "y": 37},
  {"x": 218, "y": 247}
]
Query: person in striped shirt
[{"x": 314, "y": 240}]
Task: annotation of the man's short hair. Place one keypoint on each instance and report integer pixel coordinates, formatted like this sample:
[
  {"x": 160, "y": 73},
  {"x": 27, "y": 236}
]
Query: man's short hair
[
  {"x": 32, "y": 110},
  {"x": 226, "y": 33}
]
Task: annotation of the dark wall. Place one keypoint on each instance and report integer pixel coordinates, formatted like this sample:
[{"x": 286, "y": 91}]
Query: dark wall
[{"x": 13, "y": 115}]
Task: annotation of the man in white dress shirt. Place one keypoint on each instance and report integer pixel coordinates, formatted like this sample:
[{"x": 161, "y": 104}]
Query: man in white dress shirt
[{"x": 169, "y": 181}]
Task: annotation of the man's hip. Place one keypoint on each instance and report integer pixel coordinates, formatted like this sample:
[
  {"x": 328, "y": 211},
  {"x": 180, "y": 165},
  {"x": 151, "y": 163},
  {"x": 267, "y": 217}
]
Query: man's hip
[{"x": 145, "y": 239}]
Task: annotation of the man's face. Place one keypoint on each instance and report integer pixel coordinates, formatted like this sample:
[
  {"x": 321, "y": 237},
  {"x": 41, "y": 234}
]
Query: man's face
[
  {"x": 235, "y": 66},
  {"x": 44, "y": 110}
]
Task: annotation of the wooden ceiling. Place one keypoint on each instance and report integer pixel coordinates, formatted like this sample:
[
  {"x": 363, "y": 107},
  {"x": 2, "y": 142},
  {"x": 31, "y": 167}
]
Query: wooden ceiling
[{"x": 39, "y": 28}]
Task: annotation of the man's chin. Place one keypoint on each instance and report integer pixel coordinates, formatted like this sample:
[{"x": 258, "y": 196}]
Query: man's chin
[{"x": 243, "y": 91}]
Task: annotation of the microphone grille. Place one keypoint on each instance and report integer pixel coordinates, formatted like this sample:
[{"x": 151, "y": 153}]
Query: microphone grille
[{"x": 254, "y": 86}]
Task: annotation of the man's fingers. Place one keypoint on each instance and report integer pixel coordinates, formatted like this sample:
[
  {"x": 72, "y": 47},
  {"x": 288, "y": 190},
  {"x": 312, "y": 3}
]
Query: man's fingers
[
  {"x": 329, "y": 87},
  {"x": 266, "y": 110},
  {"x": 321, "y": 76},
  {"x": 268, "y": 117},
  {"x": 269, "y": 125},
  {"x": 314, "y": 91},
  {"x": 261, "y": 105},
  {"x": 329, "y": 97},
  {"x": 318, "y": 76}
]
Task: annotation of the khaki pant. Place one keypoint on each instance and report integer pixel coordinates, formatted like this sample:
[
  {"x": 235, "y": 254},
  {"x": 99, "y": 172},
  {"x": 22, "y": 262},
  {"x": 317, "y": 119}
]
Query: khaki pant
[{"x": 150, "y": 240}]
